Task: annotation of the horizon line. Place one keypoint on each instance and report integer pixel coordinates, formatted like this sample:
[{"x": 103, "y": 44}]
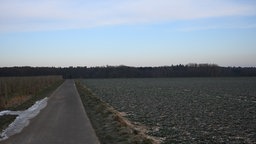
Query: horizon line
[{"x": 121, "y": 65}]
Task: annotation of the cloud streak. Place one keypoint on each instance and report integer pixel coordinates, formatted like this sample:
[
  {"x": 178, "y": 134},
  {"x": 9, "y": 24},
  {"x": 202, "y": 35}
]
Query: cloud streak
[{"x": 35, "y": 15}]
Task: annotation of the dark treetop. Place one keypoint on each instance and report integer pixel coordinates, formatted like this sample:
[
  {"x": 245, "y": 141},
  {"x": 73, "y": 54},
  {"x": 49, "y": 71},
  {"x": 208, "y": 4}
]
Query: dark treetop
[{"x": 190, "y": 70}]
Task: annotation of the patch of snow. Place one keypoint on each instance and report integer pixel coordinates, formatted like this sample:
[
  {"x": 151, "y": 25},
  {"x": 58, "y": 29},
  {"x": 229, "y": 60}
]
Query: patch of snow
[
  {"x": 8, "y": 112},
  {"x": 22, "y": 120}
]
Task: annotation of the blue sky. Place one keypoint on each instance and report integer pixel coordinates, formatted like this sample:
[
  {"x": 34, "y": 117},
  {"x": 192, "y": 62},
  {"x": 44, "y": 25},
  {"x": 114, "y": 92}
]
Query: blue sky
[{"x": 131, "y": 32}]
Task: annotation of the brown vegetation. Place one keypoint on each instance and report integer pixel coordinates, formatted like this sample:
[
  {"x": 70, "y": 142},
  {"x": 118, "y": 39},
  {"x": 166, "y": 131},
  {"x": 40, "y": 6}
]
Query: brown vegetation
[
  {"x": 17, "y": 100},
  {"x": 16, "y": 90},
  {"x": 20, "y": 93}
]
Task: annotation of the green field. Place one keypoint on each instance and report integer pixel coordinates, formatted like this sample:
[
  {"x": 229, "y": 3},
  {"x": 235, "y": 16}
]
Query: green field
[{"x": 186, "y": 110}]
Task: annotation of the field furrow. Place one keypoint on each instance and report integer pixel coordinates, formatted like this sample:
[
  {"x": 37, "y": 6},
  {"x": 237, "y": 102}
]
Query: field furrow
[{"x": 188, "y": 110}]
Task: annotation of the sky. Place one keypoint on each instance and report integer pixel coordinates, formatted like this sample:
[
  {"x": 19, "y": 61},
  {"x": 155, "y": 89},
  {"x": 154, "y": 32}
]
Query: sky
[{"x": 89, "y": 33}]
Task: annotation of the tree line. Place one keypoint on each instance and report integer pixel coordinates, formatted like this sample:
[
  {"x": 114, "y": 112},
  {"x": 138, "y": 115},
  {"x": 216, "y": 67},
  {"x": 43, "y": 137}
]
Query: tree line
[{"x": 189, "y": 70}]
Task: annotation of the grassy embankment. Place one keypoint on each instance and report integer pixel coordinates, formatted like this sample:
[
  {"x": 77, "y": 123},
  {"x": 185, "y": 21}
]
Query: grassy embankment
[
  {"x": 19, "y": 93},
  {"x": 109, "y": 124}
]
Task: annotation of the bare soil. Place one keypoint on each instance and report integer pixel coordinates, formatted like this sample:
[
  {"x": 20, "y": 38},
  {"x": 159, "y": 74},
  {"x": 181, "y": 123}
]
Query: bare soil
[{"x": 109, "y": 124}]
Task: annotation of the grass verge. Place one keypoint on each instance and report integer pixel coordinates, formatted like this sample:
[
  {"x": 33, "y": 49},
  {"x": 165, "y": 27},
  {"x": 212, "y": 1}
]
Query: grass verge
[
  {"x": 6, "y": 120},
  {"x": 109, "y": 124},
  {"x": 46, "y": 92}
]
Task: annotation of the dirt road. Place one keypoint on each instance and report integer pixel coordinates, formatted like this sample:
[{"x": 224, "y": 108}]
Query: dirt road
[{"x": 63, "y": 121}]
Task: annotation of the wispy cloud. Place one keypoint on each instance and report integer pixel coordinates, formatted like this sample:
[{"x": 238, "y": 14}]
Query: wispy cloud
[{"x": 29, "y": 15}]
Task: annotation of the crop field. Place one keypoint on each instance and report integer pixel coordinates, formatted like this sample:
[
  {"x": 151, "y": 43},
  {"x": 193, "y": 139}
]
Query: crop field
[
  {"x": 16, "y": 90},
  {"x": 185, "y": 110}
]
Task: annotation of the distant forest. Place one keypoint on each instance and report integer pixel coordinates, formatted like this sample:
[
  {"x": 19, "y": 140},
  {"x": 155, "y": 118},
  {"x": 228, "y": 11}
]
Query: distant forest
[{"x": 190, "y": 70}]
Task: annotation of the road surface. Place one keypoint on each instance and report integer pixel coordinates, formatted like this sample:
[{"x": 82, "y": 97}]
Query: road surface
[{"x": 63, "y": 121}]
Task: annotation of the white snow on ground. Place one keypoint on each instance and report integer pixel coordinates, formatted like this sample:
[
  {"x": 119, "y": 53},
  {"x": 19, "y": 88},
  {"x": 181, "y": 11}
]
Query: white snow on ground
[
  {"x": 8, "y": 112},
  {"x": 22, "y": 120}
]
